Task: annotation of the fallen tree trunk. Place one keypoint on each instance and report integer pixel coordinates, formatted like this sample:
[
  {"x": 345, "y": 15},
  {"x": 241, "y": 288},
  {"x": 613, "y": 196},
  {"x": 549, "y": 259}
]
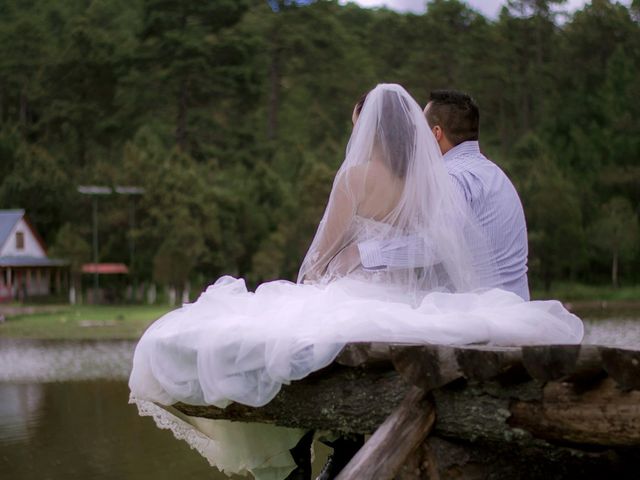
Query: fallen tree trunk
[
  {"x": 604, "y": 415},
  {"x": 508, "y": 412},
  {"x": 358, "y": 400},
  {"x": 349, "y": 400}
]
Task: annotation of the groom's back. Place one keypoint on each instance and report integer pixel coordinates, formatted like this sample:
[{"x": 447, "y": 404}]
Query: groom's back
[{"x": 497, "y": 207}]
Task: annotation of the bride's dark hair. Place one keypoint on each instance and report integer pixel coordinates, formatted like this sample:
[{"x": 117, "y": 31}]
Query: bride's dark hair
[
  {"x": 360, "y": 103},
  {"x": 396, "y": 133},
  {"x": 393, "y": 132}
]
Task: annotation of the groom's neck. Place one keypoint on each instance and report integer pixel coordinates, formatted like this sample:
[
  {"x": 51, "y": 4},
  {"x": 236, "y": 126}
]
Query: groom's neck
[{"x": 444, "y": 144}]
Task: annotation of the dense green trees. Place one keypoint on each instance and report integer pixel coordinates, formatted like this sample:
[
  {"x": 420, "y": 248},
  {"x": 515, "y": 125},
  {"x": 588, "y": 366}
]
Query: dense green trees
[
  {"x": 233, "y": 116},
  {"x": 616, "y": 232}
]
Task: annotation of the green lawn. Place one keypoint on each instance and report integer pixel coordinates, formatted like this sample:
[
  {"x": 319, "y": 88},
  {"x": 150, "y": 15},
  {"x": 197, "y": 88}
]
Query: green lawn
[
  {"x": 129, "y": 321},
  {"x": 578, "y": 291},
  {"x": 84, "y": 322}
]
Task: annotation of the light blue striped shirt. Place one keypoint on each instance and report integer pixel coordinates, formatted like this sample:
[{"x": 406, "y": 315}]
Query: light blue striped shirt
[
  {"x": 498, "y": 210},
  {"x": 497, "y": 207}
]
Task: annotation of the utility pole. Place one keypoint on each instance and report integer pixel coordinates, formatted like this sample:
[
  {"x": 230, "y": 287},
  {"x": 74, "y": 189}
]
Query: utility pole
[
  {"x": 132, "y": 217},
  {"x": 95, "y": 191}
]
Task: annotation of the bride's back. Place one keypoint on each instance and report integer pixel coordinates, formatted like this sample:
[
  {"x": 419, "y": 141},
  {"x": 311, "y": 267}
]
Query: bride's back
[
  {"x": 380, "y": 190},
  {"x": 394, "y": 174}
]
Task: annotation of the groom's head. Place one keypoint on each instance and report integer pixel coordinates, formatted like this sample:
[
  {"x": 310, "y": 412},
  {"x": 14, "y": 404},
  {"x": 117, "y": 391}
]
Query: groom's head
[{"x": 453, "y": 117}]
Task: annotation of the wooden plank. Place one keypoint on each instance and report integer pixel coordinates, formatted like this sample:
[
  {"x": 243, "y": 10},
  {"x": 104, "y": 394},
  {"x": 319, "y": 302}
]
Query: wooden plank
[
  {"x": 385, "y": 452},
  {"x": 588, "y": 368},
  {"x": 485, "y": 363},
  {"x": 365, "y": 354},
  {"x": 573, "y": 363},
  {"x": 623, "y": 365},
  {"x": 426, "y": 366},
  {"x": 550, "y": 362}
]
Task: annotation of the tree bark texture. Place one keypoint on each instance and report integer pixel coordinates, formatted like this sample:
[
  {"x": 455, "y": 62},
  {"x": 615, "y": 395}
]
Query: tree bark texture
[
  {"x": 530, "y": 412},
  {"x": 181, "y": 119},
  {"x": 384, "y": 454}
]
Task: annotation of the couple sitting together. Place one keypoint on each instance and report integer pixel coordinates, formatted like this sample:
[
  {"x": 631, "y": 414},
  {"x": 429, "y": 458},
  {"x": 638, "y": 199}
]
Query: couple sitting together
[{"x": 423, "y": 240}]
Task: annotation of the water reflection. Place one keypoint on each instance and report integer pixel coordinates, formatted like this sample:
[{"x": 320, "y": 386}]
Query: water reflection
[
  {"x": 27, "y": 360},
  {"x": 20, "y": 411},
  {"x": 614, "y": 325},
  {"x": 86, "y": 430},
  {"x": 618, "y": 332}
]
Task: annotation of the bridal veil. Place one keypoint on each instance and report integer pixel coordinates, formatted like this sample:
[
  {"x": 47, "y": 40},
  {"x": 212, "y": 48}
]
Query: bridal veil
[{"x": 393, "y": 174}]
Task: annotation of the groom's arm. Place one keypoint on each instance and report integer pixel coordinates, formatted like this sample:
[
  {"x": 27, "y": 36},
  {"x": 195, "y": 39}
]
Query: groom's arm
[
  {"x": 371, "y": 256},
  {"x": 411, "y": 251}
]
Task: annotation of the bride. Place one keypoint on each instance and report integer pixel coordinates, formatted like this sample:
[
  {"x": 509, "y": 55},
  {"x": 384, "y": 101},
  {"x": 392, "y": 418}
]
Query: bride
[{"x": 233, "y": 345}]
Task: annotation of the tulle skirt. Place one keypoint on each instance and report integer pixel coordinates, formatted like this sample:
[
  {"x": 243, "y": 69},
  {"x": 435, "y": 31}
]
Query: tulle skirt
[{"x": 233, "y": 345}]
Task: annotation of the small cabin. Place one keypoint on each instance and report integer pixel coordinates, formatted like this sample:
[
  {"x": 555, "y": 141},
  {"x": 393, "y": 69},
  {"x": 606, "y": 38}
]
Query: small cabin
[{"x": 25, "y": 269}]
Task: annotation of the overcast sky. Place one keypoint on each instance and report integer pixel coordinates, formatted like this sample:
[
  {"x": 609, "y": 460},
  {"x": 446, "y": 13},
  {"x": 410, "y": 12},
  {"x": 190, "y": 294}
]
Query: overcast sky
[{"x": 489, "y": 8}]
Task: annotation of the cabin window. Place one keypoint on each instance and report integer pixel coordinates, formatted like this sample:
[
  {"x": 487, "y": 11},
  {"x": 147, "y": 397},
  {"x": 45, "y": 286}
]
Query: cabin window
[{"x": 19, "y": 241}]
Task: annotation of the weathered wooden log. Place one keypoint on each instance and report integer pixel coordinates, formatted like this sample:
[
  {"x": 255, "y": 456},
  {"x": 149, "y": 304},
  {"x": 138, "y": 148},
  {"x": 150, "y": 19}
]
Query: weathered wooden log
[
  {"x": 422, "y": 464},
  {"x": 426, "y": 366},
  {"x": 604, "y": 416},
  {"x": 529, "y": 414},
  {"x": 455, "y": 460},
  {"x": 350, "y": 400},
  {"x": 581, "y": 399},
  {"x": 388, "y": 448}
]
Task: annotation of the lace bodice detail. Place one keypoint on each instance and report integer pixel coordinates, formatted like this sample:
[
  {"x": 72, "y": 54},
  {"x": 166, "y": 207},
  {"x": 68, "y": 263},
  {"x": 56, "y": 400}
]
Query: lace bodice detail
[{"x": 369, "y": 228}]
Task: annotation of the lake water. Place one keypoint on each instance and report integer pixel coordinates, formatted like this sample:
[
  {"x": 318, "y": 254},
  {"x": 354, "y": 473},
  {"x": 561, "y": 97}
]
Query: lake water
[
  {"x": 86, "y": 430},
  {"x": 64, "y": 413}
]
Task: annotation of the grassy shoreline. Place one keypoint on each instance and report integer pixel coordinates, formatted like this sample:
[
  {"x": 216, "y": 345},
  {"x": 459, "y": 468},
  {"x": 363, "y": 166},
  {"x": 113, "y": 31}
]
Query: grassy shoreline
[
  {"x": 81, "y": 322},
  {"x": 127, "y": 322},
  {"x": 577, "y": 292}
]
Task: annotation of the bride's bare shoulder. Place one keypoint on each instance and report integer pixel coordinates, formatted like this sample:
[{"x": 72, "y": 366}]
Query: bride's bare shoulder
[
  {"x": 366, "y": 179},
  {"x": 353, "y": 178},
  {"x": 358, "y": 174}
]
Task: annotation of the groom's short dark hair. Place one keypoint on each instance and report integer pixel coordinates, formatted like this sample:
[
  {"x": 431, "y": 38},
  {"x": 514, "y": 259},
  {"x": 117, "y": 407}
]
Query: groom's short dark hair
[{"x": 456, "y": 113}]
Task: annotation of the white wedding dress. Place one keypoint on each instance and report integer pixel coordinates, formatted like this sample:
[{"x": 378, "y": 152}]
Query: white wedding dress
[{"x": 233, "y": 345}]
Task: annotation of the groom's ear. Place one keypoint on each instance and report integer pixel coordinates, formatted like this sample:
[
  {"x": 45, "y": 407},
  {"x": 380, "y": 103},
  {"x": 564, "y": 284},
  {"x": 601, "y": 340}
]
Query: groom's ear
[{"x": 437, "y": 132}]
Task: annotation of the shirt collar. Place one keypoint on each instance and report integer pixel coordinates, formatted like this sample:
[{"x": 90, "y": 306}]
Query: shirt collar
[{"x": 471, "y": 146}]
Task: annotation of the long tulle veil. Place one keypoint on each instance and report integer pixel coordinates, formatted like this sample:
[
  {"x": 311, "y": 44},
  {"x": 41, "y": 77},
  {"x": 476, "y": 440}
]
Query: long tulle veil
[{"x": 394, "y": 174}]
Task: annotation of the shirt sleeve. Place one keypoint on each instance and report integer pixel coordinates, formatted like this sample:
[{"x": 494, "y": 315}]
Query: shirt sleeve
[
  {"x": 410, "y": 251},
  {"x": 371, "y": 255}
]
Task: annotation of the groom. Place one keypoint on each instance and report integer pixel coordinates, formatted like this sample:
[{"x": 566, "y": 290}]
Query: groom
[{"x": 454, "y": 119}]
